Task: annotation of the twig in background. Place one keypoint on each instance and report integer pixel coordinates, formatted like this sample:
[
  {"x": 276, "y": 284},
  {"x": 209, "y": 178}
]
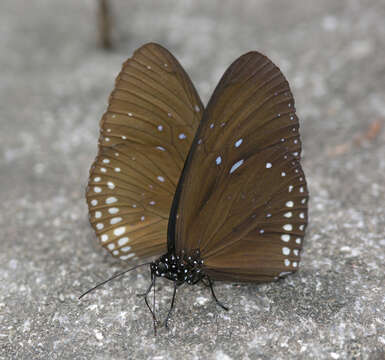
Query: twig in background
[{"x": 105, "y": 23}]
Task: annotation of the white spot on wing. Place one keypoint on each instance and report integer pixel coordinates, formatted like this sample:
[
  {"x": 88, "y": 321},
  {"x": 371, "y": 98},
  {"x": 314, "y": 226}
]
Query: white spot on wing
[
  {"x": 182, "y": 136},
  {"x": 287, "y": 262},
  {"x": 289, "y": 204},
  {"x": 238, "y": 143},
  {"x": 218, "y": 160},
  {"x": 236, "y": 166},
  {"x": 285, "y": 237},
  {"x": 160, "y": 178},
  {"x": 111, "y": 200},
  {"x": 104, "y": 238},
  {"x": 119, "y": 231},
  {"x": 113, "y": 210},
  {"x": 160, "y": 127},
  {"x": 125, "y": 257},
  {"x": 123, "y": 241},
  {"x": 284, "y": 273},
  {"x": 285, "y": 250},
  {"x": 115, "y": 220},
  {"x": 110, "y": 185},
  {"x": 94, "y": 202},
  {"x": 268, "y": 165},
  {"x": 97, "y": 189},
  {"x": 288, "y": 227}
]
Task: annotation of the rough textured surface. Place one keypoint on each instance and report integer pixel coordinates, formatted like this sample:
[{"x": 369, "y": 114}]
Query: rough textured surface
[{"x": 54, "y": 85}]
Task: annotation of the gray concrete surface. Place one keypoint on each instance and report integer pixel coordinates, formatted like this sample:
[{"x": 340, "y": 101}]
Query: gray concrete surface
[{"x": 54, "y": 84}]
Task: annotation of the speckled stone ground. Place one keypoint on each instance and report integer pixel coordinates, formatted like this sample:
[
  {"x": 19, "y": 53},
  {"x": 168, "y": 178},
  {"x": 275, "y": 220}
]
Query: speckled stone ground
[{"x": 54, "y": 84}]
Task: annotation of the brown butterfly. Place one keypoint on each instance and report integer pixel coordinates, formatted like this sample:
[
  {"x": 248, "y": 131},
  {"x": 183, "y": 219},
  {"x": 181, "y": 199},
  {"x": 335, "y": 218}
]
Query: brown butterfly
[{"x": 219, "y": 191}]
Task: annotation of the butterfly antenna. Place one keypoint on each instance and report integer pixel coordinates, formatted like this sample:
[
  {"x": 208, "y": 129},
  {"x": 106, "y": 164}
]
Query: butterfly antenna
[{"x": 112, "y": 278}]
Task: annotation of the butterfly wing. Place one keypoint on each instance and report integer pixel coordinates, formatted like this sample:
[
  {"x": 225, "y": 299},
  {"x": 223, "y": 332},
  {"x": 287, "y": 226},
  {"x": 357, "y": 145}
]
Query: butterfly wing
[
  {"x": 242, "y": 197},
  {"x": 145, "y": 135}
]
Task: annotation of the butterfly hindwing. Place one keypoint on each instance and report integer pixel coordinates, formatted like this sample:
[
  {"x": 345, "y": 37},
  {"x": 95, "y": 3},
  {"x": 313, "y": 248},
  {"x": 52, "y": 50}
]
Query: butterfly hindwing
[
  {"x": 242, "y": 198},
  {"x": 145, "y": 135}
]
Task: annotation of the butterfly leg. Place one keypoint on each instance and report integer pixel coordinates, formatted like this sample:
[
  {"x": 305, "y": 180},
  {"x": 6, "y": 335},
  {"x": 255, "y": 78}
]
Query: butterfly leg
[
  {"x": 145, "y": 293},
  {"x": 172, "y": 305},
  {"x": 149, "y": 288},
  {"x": 148, "y": 305},
  {"x": 213, "y": 294}
]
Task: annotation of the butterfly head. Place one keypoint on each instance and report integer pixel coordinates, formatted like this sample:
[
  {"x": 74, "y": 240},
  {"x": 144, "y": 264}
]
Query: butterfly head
[{"x": 184, "y": 268}]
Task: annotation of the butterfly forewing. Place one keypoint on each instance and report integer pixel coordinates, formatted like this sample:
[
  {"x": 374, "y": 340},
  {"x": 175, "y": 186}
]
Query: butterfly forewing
[
  {"x": 145, "y": 135},
  {"x": 243, "y": 197}
]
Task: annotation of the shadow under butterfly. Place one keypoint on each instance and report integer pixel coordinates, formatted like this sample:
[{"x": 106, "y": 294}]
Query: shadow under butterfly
[{"x": 223, "y": 184}]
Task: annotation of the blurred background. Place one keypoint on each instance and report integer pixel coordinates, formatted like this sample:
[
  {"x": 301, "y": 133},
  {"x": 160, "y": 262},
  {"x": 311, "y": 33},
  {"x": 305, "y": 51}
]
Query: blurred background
[{"x": 58, "y": 62}]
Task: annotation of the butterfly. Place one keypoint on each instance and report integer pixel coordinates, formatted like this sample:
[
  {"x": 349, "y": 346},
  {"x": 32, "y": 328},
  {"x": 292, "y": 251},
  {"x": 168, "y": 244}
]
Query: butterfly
[{"x": 215, "y": 193}]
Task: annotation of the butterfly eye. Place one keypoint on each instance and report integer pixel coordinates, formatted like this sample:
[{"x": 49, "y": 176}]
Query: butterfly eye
[{"x": 162, "y": 267}]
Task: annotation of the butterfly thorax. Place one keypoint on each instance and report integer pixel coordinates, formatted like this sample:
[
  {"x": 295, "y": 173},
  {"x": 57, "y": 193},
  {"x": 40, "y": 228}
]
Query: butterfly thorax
[{"x": 186, "y": 268}]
